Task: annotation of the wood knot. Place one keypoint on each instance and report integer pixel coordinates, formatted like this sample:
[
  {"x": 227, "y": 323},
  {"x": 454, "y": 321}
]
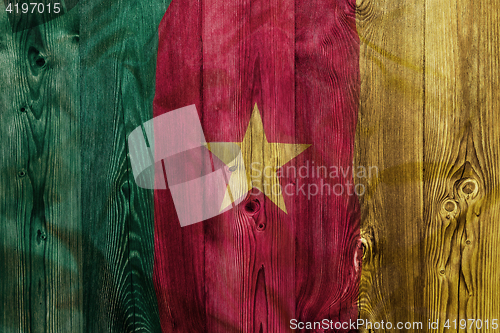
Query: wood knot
[
  {"x": 359, "y": 253},
  {"x": 36, "y": 58},
  {"x": 468, "y": 188},
  {"x": 41, "y": 235},
  {"x": 253, "y": 206},
  {"x": 40, "y": 62},
  {"x": 364, "y": 9},
  {"x": 450, "y": 206},
  {"x": 252, "y": 209},
  {"x": 366, "y": 245}
]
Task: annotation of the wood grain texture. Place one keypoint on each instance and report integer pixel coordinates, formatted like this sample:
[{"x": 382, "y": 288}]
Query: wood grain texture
[
  {"x": 76, "y": 249},
  {"x": 428, "y": 109},
  {"x": 118, "y": 58},
  {"x": 41, "y": 220},
  {"x": 15, "y": 204},
  {"x": 254, "y": 268},
  {"x": 390, "y": 137},
  {"x": 461, "y": 192}
]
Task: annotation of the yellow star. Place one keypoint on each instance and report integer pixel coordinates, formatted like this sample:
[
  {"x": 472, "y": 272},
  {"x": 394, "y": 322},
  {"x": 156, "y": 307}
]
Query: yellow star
[{"x": 261, "y": 161}]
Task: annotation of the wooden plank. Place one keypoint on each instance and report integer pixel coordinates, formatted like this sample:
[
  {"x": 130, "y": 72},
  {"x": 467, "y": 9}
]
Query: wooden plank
[
  {"x": 327, "y": 87},
  {"x": 179, "y": 253},
  {"x": 443, "y": 160},
  {"x": 462, "y": 150},
  {"x": 118, "y": 56},
  {"x": 486, "y": 256},
  {"x": 249, "y": 258},
  {"x": 54, "y": 145},
  {"x": 446, "y": 130},
  {"x": 17, "y": 194},
  {"x": 255, "y": 268},
  {"x": 390, "y": 137},
  {"x": 62, "y": 273},
  {"x": 44, "y": 164}
]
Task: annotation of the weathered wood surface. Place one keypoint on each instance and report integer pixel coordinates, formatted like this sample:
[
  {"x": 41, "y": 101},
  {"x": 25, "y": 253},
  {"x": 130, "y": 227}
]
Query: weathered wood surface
[
  {"x": 255, "y": 268},
  {"x": 428, "y": 115},
  {"x": 118, "y": 60},
  {"x": 76, "y": 233},
  {"x": 390, "y": 136},
  {"x": 41, "y": 173}
]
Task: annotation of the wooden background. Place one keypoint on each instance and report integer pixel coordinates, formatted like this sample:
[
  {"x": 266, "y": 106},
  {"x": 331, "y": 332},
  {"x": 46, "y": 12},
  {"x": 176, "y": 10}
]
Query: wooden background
[
  {"x": 254, "y": 268},
  {"x": 428, "y": 118},
  {"x": 77, "y": 235},
  {"x": 76, "y": 239}
]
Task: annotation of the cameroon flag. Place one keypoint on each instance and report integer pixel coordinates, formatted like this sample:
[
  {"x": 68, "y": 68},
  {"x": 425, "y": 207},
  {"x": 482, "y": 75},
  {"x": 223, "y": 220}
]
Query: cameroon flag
[
  {"x": 249, "y": 166},
  {"x": 280, "y": 81}
]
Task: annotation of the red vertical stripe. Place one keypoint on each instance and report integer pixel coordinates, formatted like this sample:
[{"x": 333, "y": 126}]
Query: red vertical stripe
[
  {"x": 179, "y": 252},
  {"x": 327, "y": 90},
  {"x": 255, "y": 271}
]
